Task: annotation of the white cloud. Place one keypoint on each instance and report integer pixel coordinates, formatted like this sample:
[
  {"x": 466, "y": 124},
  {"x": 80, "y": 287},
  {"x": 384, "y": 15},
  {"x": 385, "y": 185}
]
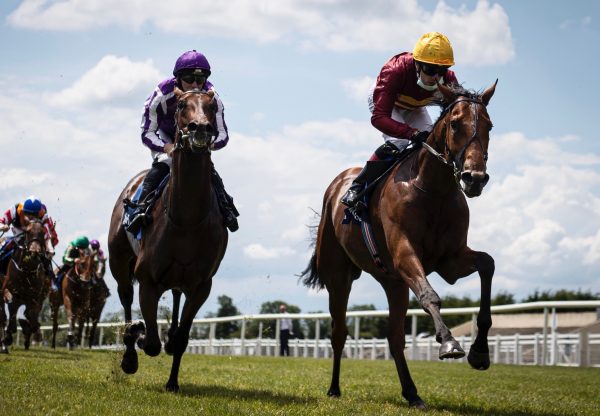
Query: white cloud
[
  {"x": 358, "y": 89},
  {"x": 111, "y": 80},
  {"x": 480, "y": 36},
  {"x": 259, "y": 252}
]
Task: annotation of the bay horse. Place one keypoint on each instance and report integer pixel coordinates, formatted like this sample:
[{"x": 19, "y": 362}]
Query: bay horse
[
  {"x": 74, "y": 294},
  {"x": 420, "y": 219},
  {"x": 184, "y": 245},
  {"x": 26, "y": 282}
]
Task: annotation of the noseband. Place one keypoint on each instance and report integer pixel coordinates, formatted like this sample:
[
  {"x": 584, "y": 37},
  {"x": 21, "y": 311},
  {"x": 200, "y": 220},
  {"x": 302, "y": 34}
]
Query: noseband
[
  {"x": 456, "y": 163},
  {"x": 197, "y": 137}
]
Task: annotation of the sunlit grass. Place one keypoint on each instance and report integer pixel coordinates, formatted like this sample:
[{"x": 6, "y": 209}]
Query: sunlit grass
[{"x": 60, "y": 382}]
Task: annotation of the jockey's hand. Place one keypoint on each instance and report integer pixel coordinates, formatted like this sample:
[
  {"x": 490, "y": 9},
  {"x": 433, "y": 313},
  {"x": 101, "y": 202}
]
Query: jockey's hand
[
  {"x": 169, "y": 147},
  {"x": 77, "y": 260},
  {"x": 420, "y": 136},
  {"x": 4, "y": 227}
]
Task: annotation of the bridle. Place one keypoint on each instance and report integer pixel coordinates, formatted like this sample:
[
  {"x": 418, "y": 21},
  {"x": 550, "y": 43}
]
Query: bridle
[
  {"x": 196, "y": 137},
  {"x": 24, "y": 244},
  {"x": 456, "y": 163}
]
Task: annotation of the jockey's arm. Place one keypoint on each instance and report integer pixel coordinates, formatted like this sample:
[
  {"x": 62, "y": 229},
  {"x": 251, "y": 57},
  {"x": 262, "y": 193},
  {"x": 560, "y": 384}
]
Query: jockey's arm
[{"x": 222, "y": 134}]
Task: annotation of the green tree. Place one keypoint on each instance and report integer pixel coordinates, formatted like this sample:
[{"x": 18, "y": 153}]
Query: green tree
[{"x": 227, "y": 308}]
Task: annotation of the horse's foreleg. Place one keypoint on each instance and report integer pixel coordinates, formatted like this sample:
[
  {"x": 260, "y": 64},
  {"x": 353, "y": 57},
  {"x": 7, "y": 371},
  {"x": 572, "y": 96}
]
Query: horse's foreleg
[
  {"x": 466, "y": 263},
  {"x": 150, "y": 341},
  {"x": 409, "y": 266},
  {"x": 397, "y": 296},
  {"x": 11, "y": 328},
  {"x": 174, "y": 321},
  {"x": 125, "y": 291},
  {"x": 192, "y": 304},
  {"x": 71, "y": 322}
]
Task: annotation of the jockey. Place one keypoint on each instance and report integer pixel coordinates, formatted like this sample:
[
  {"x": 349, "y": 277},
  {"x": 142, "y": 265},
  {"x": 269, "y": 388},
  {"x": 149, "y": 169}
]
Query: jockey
[
  {"x": 19, "y": 217},
  {"x": 191, "y": 71},
  {"x": 73, "y": 252},
  {"x": 406, "y": 84},
  {"x": 100, "y": 261}
]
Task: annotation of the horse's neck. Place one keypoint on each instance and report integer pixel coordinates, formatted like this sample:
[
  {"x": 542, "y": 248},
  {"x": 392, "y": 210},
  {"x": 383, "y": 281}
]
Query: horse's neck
[
  {"x": 189, "y": 196},
  {"x": 434, "y": 176}
]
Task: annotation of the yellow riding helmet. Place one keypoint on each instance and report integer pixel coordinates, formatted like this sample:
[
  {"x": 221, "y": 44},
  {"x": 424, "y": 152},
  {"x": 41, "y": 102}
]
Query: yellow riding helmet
[{"x": 434, "y": 48}]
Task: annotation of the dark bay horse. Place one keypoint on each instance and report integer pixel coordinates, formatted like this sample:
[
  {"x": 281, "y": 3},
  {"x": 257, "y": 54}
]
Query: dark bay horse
[
  {"x": 182, "y": 248},
  {"x": 26, "y": 282},
  {"x": 98, "y": 295},
  {"x": 420, "y": 220},
  {"x": 74, "y": 294}
]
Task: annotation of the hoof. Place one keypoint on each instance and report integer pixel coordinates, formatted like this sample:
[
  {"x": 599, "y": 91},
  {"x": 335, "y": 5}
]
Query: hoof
[
  {"x": 172, "y": 387},
  {"x": 451, "y": 349},
  {"x": 3, "y": 350},
  {"x": 129, "y": 363},
  {"x": 152, "y": 349},
  {"x": 479, "y": 360},
  {"x": 169, "y": 347},
  {"x": 418, "y": 404},
  {"x": 334, "y": 392}
]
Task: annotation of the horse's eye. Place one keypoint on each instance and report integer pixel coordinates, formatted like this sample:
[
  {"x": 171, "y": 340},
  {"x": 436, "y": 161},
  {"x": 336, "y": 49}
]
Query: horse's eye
[
  {"x": 454, "y": 125},
  {"x": 180, "y": 105}
]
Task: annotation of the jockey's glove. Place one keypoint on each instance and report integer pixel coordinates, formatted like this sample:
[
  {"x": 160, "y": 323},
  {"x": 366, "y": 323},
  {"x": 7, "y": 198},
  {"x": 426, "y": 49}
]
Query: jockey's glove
[
  {"x": 420, "y": 136},
  {"x": 4, "y": 228}
]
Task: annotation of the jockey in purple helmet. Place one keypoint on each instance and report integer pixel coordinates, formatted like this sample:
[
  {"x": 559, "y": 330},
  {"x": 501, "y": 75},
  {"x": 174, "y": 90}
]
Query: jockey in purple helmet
[{"x": 191, "y": 71}]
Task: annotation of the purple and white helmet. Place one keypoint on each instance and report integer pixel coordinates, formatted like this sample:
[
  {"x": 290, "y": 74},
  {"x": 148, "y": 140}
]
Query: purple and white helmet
[
  {"x": 191, "y": 60},
  {"x": 95, "y": 244}
]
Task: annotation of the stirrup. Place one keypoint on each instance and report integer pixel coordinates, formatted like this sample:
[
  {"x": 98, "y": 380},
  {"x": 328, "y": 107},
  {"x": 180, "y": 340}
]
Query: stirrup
[{"x": 350, "y": 198}]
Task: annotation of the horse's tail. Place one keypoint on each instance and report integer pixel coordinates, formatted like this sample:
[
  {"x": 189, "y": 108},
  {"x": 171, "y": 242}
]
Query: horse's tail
[{"x": 310, "y": 277}]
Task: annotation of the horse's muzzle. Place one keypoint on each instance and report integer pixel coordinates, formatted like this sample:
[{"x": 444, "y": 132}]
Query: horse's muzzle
[{"x": 473, "y": 182}]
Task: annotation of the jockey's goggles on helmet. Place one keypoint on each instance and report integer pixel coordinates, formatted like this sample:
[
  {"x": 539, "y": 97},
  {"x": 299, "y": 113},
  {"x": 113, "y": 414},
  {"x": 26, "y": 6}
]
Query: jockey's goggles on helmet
[
  {"x": 190, "y": 78},
  {"x": 432, "y": 70}
]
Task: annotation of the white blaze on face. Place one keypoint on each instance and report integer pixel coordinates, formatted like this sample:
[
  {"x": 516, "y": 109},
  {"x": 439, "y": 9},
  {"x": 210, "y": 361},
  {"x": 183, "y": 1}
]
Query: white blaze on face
[{"x": 35, "y": 247}]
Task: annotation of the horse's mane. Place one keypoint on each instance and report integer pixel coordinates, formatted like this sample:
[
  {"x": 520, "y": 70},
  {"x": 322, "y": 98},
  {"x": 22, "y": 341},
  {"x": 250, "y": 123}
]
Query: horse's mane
[{"x": 458, "y": 91}]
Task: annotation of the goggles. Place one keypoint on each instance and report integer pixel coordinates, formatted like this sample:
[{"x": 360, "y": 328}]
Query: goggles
[
  {"x": 191, "y": 78},
  {"x": 432, "y": 70}
]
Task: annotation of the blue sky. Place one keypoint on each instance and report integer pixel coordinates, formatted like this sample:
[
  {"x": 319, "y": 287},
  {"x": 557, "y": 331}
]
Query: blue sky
[{"x": 293, "y": 76}]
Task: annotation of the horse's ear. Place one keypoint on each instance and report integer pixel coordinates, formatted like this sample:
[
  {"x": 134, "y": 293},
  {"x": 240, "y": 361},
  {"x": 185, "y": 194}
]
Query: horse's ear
[
  {"x": 446, "y": 91},
  {"x": 177, "y": 92},
  {"x": 487, "y": 94},
  {"x": 211, "y": 94}
]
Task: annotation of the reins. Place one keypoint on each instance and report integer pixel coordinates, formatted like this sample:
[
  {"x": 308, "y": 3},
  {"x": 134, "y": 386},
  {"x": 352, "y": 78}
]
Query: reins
[{"x": 456, "y": 163}]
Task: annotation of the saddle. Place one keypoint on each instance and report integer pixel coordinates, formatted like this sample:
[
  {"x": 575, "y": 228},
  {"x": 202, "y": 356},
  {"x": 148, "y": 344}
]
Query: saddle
[{"x": 359, "y": 214}]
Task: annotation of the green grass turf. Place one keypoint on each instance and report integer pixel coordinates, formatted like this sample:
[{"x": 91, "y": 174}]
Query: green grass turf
[{"x": 41, "y": 381}]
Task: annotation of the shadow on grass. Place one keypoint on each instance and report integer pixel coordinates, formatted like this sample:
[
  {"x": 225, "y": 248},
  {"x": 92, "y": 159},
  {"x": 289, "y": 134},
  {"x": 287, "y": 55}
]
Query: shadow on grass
[{"x": 237, "y": 394}]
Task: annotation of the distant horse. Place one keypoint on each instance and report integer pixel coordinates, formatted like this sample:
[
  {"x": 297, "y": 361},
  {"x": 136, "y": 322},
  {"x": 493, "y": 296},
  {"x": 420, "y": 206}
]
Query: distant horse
[
  {"x": 98, "y": 296},
  {"x": 420, "y": 220},
  {"x": 74, "y": 294},
  {"x": 184, "y": 245},
  {"x": 26, "y": 282}
]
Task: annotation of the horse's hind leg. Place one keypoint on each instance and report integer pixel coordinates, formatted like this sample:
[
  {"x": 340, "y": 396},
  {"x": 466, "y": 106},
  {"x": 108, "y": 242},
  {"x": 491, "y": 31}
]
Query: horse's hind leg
[
  {"x": 192, "y": 304},
  {"x": 397, "y": 296},
  {"x": 463, "y": 265}
]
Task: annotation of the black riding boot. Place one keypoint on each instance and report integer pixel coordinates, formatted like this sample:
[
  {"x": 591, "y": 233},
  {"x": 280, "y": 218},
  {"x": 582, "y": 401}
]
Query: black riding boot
[
  {"x": 140, "y": 217},
  {"x": 372, "y": 170},
  {"x": 225, "y": 201},
  {"x": 387, "y": 153}
]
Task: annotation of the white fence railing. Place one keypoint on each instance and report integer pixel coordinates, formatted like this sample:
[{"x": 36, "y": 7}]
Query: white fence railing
[{"x": 549, "y": 347}]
